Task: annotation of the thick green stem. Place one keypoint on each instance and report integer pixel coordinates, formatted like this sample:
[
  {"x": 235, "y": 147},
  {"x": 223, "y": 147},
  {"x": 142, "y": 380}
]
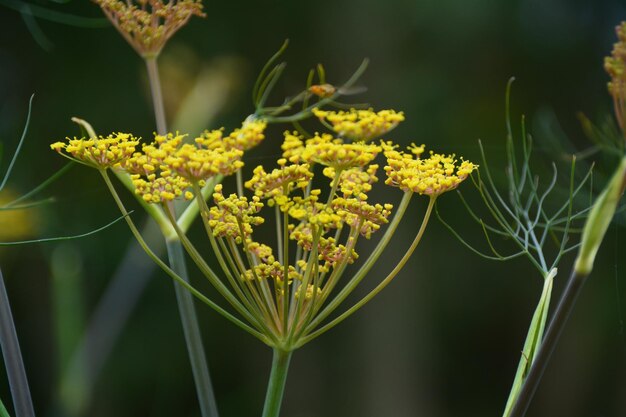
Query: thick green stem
[
  {"x": 276, "y": 385},
  {"x": 191, "y": 329},
  {"x": 533, "y": 341},
  {"x": 188, "y": 314},
  {"x": 561, "y": 314},
  {"x": 14, "y": 364}
]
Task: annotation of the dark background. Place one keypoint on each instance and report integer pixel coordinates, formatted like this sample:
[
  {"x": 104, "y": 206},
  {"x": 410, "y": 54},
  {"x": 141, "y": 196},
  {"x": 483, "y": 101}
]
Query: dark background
[{"x": 443, "y": 339}]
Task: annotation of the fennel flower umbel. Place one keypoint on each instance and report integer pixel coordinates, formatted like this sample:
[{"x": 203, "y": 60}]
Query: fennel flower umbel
[{"x": 284, "y": 292}]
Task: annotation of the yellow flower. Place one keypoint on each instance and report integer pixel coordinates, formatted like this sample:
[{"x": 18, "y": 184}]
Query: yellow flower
[
  {"x": 332, "y": 152},
  {"x": 211, "y": 139},
  {"x": 432, "y": 176},
  {"x": 356, "y": 212},
  {"x": 361, "y": 125},
  {"x": 233, "y": 215},
  {"x": 355, "y": 182},
  {"x": 198, "y": 164},
  {"x": 99, "y": 152},
  {"x": 161, "y": 188},
  {"x": 248, "y": 136},
  {"x": 274, "y": 271},
  {"x": 293, "y": 146},
  {"x": 280, "y": 182}
]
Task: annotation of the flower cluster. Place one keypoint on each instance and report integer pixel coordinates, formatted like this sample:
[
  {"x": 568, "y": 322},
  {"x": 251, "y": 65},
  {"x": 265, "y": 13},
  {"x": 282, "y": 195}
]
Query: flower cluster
[
  {"x": 148, "y": 24},
  {"x": 100, "y": 152},
  {"x": 360, "y": 125},
  {"x": 234, "y": 216},
  {"x": 317, "y": 231},
  {"x": 280, "y": 182},
  {"x": 337, "y": 154},
  {"x": 431, "y": 176},
  {"x": 615, "y": 66},
  {"x": 165, "y": 168},
  {"x": 248, "y": 136}
]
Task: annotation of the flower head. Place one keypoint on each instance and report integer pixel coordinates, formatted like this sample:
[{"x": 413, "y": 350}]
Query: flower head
[
  {"x": 365, "y": 217},
  {"x": 360, "y": 125},
  {"x": 284, "y": 290},
  {"x": 277, "y": 184},
  {"x": 161, "y": 187},
  {"x": 431, "y": 176},
  {"x": 248, "y": 136},
  {"x": 148, "y": 24},
  {"x": 234, "y": 216},
  {"x": 334, "y": 153},
  {"x": 99, "y": 152},
  {"x": 615, "y": 65},
  {"x": 355, "y": 182}
]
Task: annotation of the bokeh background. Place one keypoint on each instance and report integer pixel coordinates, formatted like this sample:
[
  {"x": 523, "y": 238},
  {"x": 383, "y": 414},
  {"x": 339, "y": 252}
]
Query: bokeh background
[{"x": 443, "y": 340}]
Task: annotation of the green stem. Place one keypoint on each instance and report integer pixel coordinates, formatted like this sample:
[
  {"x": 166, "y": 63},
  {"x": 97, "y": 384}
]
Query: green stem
[
  {"x": 153, "y": 210},
  {"x": 380, "y": 286},
  {"x": 239, "y": 176},
  {"x": 191, "y": 329},
  {"x": 3, "y": 410},
  {"x": 13, "y": 361},
  {"x": 276, "y": 385},
  {"x": 188, "y": 314},
  {"x": 168, "y": 270},
  {"x": 365, "y": 268},
  {"x": 191, "y": 212},
  {"x": 157, "y": 95},
  {"x": 533, "y": 341},
  {"x": 561, "y": 314}
]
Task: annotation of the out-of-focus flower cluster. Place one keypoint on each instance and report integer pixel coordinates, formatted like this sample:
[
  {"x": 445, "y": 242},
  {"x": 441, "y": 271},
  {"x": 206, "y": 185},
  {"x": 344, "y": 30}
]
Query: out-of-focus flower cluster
[
  {"x": 148, "y": 24},
  {"x": 615, "y": 66}
]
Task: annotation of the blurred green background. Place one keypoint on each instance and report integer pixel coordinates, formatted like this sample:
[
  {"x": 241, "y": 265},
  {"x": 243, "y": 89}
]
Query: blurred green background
[{"x": 443, "y": 340}]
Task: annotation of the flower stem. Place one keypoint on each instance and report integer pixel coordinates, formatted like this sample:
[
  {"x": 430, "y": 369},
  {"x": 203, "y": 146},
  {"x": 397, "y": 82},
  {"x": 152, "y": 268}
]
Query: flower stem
[
  {"x": 169, "y": 271},
  {"x": 533, "y": 341},
  {"x": 562, "y": 313},
  {"x": 157, "y": 95},
  {"x": 186, "y": 308},
  {"x": 191, "y": 329},
  {"x": 380, "y": 286},
  {"x": 13, "y": 359},
  {"x": 276, "y": 385}
]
